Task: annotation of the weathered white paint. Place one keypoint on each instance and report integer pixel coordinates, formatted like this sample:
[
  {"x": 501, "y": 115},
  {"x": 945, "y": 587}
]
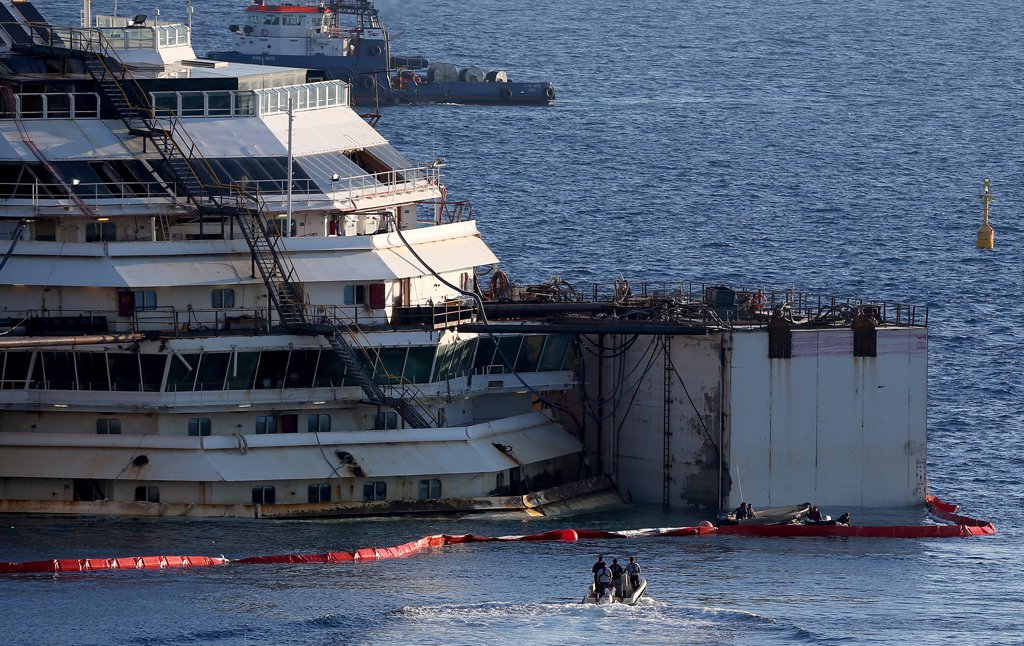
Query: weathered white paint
[{"x": 822, "y": 426}]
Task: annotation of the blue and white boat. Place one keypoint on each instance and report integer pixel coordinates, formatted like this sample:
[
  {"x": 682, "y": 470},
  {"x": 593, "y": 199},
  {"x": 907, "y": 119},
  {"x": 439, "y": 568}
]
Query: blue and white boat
[{"x": 345, "y": 40}]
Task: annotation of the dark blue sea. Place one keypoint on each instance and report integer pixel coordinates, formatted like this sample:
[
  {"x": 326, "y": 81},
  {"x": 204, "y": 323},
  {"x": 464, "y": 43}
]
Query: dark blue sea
[{"x": 837, "y": 148}]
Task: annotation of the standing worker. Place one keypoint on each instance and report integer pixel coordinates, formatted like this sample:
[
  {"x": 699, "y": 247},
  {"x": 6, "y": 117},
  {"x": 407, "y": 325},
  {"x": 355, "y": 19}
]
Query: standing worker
[
  {"x": 633, "y": 570},
  {"x": 616, "y": 577}
]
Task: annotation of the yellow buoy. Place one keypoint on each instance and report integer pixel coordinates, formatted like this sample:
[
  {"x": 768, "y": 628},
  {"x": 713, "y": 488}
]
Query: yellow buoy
[{"x": 986, "y": 234}]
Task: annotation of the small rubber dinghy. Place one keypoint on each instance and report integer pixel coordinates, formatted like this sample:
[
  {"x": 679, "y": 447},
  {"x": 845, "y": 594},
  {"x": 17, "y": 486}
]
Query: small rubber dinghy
[
  {"x": 627, "y": 594},
  {"x": 770, "y": 516}
]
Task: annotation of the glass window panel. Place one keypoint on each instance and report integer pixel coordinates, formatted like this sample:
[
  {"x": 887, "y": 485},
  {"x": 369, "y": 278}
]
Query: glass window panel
[
  {"x": 424, "y": 492},
  {"x": 242, "y": 370},
  {"x": 15, "y": 369},
  {"x": 179, "y": 376},
  {"x": 465, "y": 361},
  {"x": 435, "y": 488},
  {"x": 272, "y": 368},
  {"x": 263, "y": 495},
  {"x": 389, "y": 365},
  {"x": 529, "y": 353},
  {"x": 222, "y": 298},
  {"x": 92, "y": 371},
  {"x": 354, "y": 295},
  {"x": 152, "y": 371},
  {"x": 507, "y": 352},
  {"x": 331, "y": 371},
  {"x": 389, "y": 155},
  {"x": 368, "y": 491},
  {"x": 124, "y": 371},
  {"x": 319, "y": 492},
  {"x": 199, "y": 426},
  {"x": 554, "y": 352},
  {"x": 108, "y": 426},
  {"x": 60, "y": 370},
  {"x": 484, "y": 354},
  {"x": 212, "y": 368},
  {"x": 320, "y": 423},
  {"x": 569, "y": 360},
  {"x": 147, "y": 493},
  {"x": 266, "y": 424},
  {"x": 301, "y": 368},
  {"x": 439, "y": 362},
  {"x": 418, "y": 364},
  {"x": 380, "y": 490}
]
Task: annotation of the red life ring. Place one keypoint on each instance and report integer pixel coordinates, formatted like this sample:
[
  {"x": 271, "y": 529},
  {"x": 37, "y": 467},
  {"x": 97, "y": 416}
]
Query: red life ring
[{"x": 264, "y": 32}]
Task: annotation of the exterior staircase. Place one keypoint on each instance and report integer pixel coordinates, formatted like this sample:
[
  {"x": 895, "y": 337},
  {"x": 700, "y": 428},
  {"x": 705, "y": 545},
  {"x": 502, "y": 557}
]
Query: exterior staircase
[{"x": 205, "y": 192}]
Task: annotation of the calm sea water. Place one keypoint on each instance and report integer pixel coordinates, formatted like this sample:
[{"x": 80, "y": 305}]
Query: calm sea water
[{"x": 835, "y": 147}]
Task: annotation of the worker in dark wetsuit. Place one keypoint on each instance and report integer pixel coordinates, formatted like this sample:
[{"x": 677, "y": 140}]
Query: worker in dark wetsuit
[
  {"x": 597, "y": 566},
  {"x": 814, "y": 514},
  {"x": 617, "y": 571},
  {"x": 741, "y": 512}
]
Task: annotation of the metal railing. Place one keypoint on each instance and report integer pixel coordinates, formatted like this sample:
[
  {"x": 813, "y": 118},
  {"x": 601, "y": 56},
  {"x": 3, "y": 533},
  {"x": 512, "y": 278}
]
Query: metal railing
[
  {"x": 755, "y": 304},
  {"x": 56, "y": 105}
]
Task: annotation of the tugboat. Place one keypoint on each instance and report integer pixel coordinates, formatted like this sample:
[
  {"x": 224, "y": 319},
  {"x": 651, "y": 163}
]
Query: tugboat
[{"x": 345, "y": 40}]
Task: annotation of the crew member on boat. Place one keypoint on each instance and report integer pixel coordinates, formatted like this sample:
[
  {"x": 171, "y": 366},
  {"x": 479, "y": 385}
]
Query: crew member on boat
[
  {"x": 617, "y": 571},
  {"x": 633, "y": 570}
]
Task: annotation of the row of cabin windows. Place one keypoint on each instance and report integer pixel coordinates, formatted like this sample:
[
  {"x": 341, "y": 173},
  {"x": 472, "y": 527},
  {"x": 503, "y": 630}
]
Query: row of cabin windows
[
  {"x": 271, "y": 369},
  {"x": 265, "y": 424},
  {"x": 141, "y": 300},
  {"x": 320, "y": 492}
]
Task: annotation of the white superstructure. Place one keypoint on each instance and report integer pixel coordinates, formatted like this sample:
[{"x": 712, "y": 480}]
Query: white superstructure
[{"x": 224, "y": 293}]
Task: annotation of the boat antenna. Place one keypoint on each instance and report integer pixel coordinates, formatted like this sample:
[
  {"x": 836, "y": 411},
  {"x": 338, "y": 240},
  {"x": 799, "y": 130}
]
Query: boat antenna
[{"x": 189, "y": 11}]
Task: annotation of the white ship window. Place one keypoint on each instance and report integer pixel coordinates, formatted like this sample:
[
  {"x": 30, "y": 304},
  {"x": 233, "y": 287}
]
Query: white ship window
[
  {"x": 14, "y": 369},
  {"x": 320, "y": 492},
  {"x": 385, "y": 420},
  {"x": 320, "y": 423},
  {"x": 355, "y": 295},
  {"x": 199, "y": 426},
  {"x": 375, "y": 491},
  {"x": 264, "y": 495},
  {"x": 222, "y": 298},
  {"x": 266, "y": 424},
  {"x": 100, "y": 232},
  {"x": 293, "y": 20},
  {"x": 147, "y": 493},
  {"x": 145, "y": 300},
  {"x": 430, "y": 489},
  {"x": 108, "y": 426}
]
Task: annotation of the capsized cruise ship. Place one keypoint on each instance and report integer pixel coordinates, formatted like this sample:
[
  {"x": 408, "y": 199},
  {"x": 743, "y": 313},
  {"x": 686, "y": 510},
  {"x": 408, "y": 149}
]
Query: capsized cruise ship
[{"x": 223, "y": 293}]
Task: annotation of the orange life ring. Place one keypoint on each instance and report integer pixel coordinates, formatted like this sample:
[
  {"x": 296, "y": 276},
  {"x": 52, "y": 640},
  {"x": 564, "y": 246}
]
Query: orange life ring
[{"x": 264, "y": 32}]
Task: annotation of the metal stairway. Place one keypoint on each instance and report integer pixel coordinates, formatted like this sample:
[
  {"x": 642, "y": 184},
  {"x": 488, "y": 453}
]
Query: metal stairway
[{"x": 205, "y": 192}]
